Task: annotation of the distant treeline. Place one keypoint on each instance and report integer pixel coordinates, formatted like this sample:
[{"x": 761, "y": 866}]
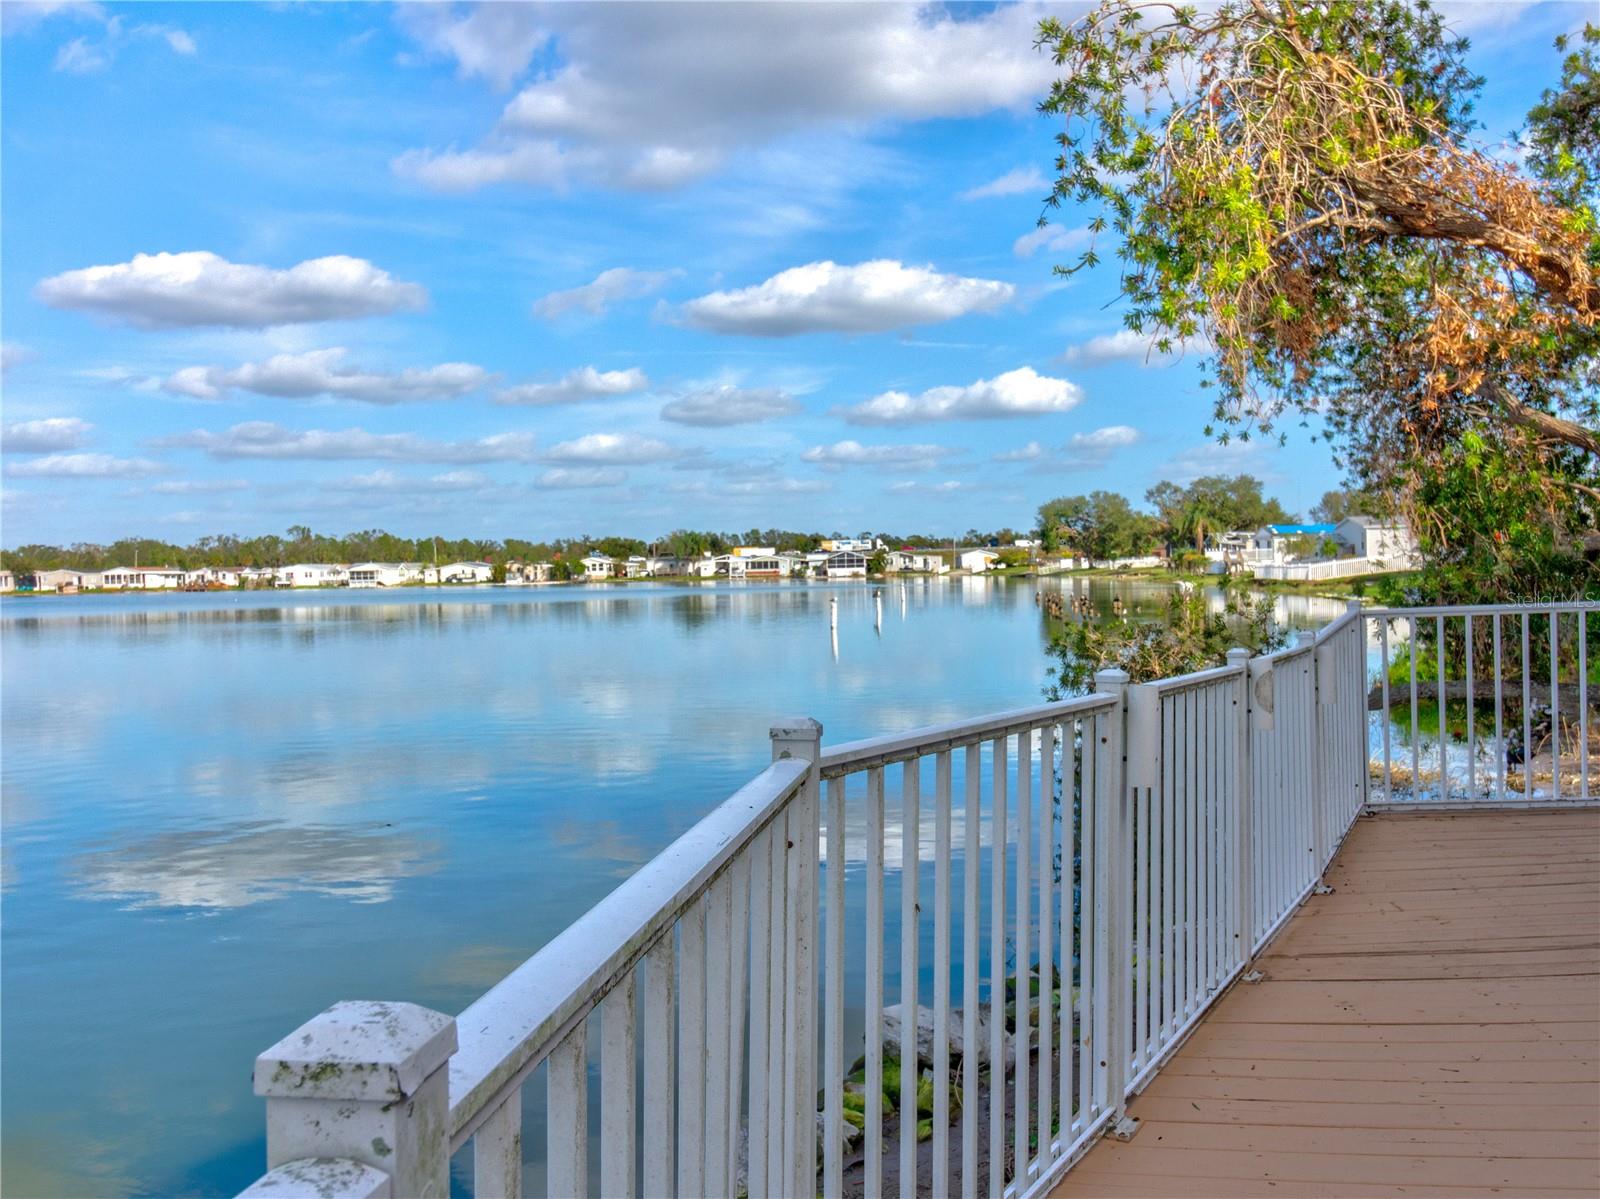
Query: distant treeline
[{"x": 301, "y": 544}]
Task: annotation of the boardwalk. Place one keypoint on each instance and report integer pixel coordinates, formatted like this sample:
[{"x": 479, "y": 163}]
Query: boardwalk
[{"x": 1430, "y": 1029}]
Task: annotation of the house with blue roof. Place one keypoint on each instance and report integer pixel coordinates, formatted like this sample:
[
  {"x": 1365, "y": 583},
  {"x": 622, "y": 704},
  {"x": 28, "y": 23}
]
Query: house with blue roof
[{"x": 1275, "y": 539}]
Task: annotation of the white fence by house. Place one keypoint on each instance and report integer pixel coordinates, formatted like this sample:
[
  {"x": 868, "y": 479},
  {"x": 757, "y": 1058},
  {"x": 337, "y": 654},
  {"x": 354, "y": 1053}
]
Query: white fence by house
[
  {"x": 1329, "y": 568},
  {"x": 1124, "y": 854}
]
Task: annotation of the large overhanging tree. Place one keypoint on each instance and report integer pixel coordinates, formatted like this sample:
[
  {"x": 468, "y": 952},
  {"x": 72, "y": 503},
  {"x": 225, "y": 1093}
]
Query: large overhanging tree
[{"x": 1298, "y": 184}]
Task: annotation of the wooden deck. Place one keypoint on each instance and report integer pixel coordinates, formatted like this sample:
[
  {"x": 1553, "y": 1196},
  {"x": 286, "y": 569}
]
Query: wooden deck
[{"x": 1430, "y": 1029}]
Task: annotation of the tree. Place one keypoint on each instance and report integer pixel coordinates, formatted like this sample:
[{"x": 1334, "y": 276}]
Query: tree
[
  {"x": 1296, "y": 183},
  {"x": 1100, "y": 525},
  {"x": 1212, "y": 504},
  {"x": 1334, "y": 506}
]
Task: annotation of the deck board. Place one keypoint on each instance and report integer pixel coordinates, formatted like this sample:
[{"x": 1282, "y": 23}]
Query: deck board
[{"x": 1430, "y": 1029}]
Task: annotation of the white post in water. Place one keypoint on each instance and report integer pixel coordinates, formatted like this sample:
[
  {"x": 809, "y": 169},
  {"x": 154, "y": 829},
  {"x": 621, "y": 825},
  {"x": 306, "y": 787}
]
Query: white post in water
[
  {"x": 367, "y": 1083},
  {"x": 801, "y": 737}
]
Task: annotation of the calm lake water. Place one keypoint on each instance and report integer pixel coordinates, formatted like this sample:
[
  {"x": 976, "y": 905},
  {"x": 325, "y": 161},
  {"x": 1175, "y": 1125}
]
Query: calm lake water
[{"x": 224, "y": 812}]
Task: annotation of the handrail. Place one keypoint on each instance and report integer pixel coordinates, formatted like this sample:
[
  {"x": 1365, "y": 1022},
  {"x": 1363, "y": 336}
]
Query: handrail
[
  {"x": 1198, "y": 678},
  {"x": 930, "y": 739},
  {"x": 507, "y": 1032},
  {"x": 1589, "y": 605}
]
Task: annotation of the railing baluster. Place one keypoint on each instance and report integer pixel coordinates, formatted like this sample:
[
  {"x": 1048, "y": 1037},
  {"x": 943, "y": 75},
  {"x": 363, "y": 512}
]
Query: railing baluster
[
  {"x": 910, "y": 860},
  {"x": 497, "y": 1152},
  {"x": 873, "y": 1133},
  {"x": 971, "y": 920},
  {"x": 999, "y": 836},
  {"x": 1416, "y": 729},
  {"x": 659, "y": 1104},
  {"x": 718, "y": 1017},
  {"x": 567, "y": 1125},
  {"x": 1090, "y": 944},
  {"x": 1023, "y": 991},
  {"x": 740, "y": 870},
  {"x": 1047, "y": 773},
  {"x": 1444, "y": 723},
  {"x": 1071, "y": 766},
  {"x": 941, "y": 976},
  {"x": 761, "y": 946},
  {"x": 1499, "y": 717},
  {"x": 1583, "y": 704},
  {"x": 1527, "y": 714},
  {"x": 1383, "y": 716},
  {"x": 692, "y": 1052},
  {"x": 833, "y": 1072},
  {"x": 1555, "y": 705},
  {"x": 617, "y": 1110},
  {"x": 1173, "y": 784},
  {"x": 1472, "y": 732}
]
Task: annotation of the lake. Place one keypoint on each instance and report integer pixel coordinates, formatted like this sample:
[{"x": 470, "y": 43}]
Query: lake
[{"x": 223, "y": 812}]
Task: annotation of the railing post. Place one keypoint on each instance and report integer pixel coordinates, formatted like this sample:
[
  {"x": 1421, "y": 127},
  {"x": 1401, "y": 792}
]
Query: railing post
[
  {"x": 1243, "y": 846},
  {"x": 1321, "y": 681},
  {"x": 801, "y": 737},
  {"x": 1359, "y": 683},
  {"x": 367, "y": 1082},
  {"x": 1117, "y": 990}
]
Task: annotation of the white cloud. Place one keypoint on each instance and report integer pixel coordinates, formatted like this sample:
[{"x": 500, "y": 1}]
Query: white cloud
[
  {"x": 715, "y": 407},
  {"x": 14, "y": 354},
  {"x": 1127, "y": 346},
  {"x": 585, "y": 383},
  {"x": 1022, "y": 392},
  {"x": 608, "y": 287},
  {"x": 387, "y": 480},
  {"x": 917, "y": 487},
  {"x": 492, "y": 41},
  {"x": 1112, "y": 437},
  {"x": 612, "y": 449},
  {"x": 322, "y": 372},
  {"x": 579, "y": 477},
  {"x": 263, "y": 439},
  {"x": 852, "y": 453},
  {"x": 45, "y": 436},
  {"x": 19, "y": 16},
  {"x": 1220, "y": 458},
  {"x": 181, "y": 42},
  {"x": 1052, "y": 238},
  {"x": 657, "y": 95},
  {"x": 872, "y": 297},
  {"x": 1031, "y": 452},
  {"x": 80, "y": 57},
  {"x": 1019, "y": 181},
  {"x": 198, "y": 486},
  {"x": 83, "y": 466},
  {"x": 158, "y": 291}
]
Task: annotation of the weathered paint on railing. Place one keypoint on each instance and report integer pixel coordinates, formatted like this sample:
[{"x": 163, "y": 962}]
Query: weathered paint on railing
[{"x": 1141, "y": 844}]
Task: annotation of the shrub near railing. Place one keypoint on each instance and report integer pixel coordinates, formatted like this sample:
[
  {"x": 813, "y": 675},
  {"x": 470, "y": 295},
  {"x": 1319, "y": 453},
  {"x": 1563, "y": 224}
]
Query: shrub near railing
[{"x": 1124, "y": 853}]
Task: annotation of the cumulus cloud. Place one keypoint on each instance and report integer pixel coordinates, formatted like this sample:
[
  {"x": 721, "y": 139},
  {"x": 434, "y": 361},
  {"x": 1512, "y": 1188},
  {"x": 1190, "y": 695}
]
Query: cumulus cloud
[
  {"x": 162, "y": 291},
  {"x": 1031, "y": 452},
  {"x": 715, "y": 407},
  {"x": 585, "y": 383},
  {"x": 1016, "y": 182},
  {"x": 658, "y": 95},
  {"x": 1022, "y": 392},
  {"x": 574, "y": 478},
  {"x": 1127, "y": 346},
  {"x": 83, "y": 466},
  {"x": 86, "y": 55},
  {"x": 491, "y": 41},
  {"x": 19, "y": 16},
  {"x": 872, "y": 297},
  {"x": 852, "y": 453},
  {"x": 609, "y": 287},
  {"x": 323, "y": 373},
  {"x": 612, "y": 449},
  {"x": 1052, "y": 238},
  {"x": 917, "y": 487},
  {"x": 45, "y": 436},
  {"x": 1112, "y": 437},
  {"x": 264, "y": 439},
  {"x": 387, "y": 480}
]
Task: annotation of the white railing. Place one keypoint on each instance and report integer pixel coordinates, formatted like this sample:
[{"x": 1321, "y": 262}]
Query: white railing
[
  {"x": 1124, "y": 854},
  {"x": 1508, "y": 690},
  {"x": 1329, "y": 568}
]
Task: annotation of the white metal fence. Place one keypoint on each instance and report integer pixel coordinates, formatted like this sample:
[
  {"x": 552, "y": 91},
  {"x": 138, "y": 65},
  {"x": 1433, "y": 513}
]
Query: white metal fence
[{"x": 1047, "y": 899}]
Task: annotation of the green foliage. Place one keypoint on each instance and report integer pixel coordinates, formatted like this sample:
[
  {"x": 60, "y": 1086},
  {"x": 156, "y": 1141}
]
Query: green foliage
[
  {"x": 1099, "y": 525},
  {"x": 1211, "y": 505},
  {"x": 1334, "y": 506},
  {"x": 1190, "y": 638}
]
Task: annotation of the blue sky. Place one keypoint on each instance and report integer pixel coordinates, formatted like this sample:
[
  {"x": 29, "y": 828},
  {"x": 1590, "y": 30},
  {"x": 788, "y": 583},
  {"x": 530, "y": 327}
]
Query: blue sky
[{"x": 529, "y": 270}]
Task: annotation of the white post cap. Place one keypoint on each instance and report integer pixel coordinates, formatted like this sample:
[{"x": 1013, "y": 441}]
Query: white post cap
[{"x": 358, "y": 1049}]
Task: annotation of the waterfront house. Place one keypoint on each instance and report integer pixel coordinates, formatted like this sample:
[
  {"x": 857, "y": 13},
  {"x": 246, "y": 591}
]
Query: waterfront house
[
  {"x": 915, "y": 560},
  {"x": 311, "y": 574},
  {"x": 753, "y": 561},
  {"x": 636, "y": 567},
  {"x": 134, "y": 578},
  {"x": 599, "y": 566},
  {"x": 466, "y": 572},
  {"x": 703, "y": 567},
  {"x": 1384, "y": 542},
  {"x": 1274, "y": 540},
  {"x": 8, "y": 581},
  {"x": 845, "y": 564},
  {"x": 976, "y": 561},
  {"x": 385, "y": 574},
  {"x": 212, "y": 576},
  {"x": 66, "y": 581},
  {"x": 527, "y": 572},
  {"x": 658, "y": 567}
]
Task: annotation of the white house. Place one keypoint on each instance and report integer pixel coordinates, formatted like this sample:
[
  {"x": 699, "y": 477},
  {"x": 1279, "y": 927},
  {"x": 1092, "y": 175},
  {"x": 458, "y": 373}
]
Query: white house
[
  {"x": 599, "y": 566},
  {"x": 977, "y": 561},
  {"x": 754, "y": 561},
  {"x": 466, "y": 572},
  {"x": 1273, "y": 540},
  {"x": 527, "y": 572},
  {"x": 137, "y": 578},
  {"x": 311, "y": 574},
  {"x": 212, "y": 576},
  {"x": 65, "y": 580},
  {"x": 703, "y": 567},
  {"x": 845, "y": 564},
  {"x": 915, "y": 560},
  {"x": 1383, "y": 542},
  {"x": 8, "y": 581},
  {"x": 385, "y": 574},
  {"x": 859, "y": 545}
]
